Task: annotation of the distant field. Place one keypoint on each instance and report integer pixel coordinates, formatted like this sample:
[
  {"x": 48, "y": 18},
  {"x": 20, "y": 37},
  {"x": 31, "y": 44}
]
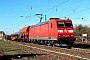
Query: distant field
[{"x": 7, "y": 48}]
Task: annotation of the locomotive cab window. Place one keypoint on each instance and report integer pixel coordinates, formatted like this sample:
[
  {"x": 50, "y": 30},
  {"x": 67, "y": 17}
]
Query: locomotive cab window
[
  {"x": 60, "y": 24},
  {"x": 51, "y": 25},
  {"x": 68, "y": 24}
]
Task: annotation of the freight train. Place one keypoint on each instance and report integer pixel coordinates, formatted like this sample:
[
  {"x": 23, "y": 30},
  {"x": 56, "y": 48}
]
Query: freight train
[{"x": 54, "y": 31}]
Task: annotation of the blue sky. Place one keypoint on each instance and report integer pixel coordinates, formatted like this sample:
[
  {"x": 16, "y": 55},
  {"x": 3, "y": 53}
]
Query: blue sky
[{"x": 11, "y": 10}]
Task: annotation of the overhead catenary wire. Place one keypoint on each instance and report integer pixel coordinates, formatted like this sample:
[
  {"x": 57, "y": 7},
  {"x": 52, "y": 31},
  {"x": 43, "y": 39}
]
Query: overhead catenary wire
[
  {"x": 59, "y": 5},
  {"x": 17, "y": 3},
  {"x": 78, "y": 11},
  {"x": 50, "y": 8},
  {"x": 55, "y": 6},
  {"x": 31, "y": 7}
]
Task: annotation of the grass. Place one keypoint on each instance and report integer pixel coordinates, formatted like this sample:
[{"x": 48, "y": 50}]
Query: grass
[{"x": 7, "y": 48}]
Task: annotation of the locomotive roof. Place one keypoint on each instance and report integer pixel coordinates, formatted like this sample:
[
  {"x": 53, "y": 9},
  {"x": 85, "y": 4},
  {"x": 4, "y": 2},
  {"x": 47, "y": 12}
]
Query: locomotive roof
[
  {"x": 41, "y": 23},
  {"x": 58, "y": 19},
  {"x": 54, "y": 18}
]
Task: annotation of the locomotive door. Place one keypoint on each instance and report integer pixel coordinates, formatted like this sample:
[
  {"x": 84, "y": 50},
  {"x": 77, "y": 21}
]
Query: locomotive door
[{"x": 50, "y": 31}]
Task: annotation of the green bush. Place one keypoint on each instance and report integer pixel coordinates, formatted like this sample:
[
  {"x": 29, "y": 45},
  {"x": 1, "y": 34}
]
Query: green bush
[{"x": 78, "y": 40}]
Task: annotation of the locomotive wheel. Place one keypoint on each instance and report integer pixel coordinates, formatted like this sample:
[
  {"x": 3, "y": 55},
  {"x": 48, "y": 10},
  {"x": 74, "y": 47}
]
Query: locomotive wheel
[
  {"x": 48, "y": 43},
  {"x": 35, "y": 41},
  {"x": 41, "y": 42},
  {"x": 53, "y": 44},
  {"x": 29, "y": 40},
  {"x": 69, "y": 47}
]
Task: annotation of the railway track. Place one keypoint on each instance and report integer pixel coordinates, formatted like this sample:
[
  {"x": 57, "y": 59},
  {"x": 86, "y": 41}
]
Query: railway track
[{"x": 62, "y": 53}]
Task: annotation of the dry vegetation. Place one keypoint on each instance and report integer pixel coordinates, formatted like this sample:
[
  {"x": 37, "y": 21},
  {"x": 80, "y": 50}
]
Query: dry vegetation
[{"x": 7, "y": 48}]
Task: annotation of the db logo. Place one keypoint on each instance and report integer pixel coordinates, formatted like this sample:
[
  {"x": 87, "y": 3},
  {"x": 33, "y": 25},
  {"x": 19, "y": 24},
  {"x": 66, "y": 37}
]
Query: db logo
[{"x": 65, "y": 30}]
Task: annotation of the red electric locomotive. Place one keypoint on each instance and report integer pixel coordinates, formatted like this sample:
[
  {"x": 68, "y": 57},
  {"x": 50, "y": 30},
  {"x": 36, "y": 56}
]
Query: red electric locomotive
[{"x": 54, "y": 31}]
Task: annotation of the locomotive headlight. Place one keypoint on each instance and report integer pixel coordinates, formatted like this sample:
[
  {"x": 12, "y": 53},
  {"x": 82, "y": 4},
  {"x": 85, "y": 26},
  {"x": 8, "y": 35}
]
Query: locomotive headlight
[
  {"x": 58, "y": 35},
  {"x": 60, "y": 31},
  {"x": 71, "y": 35},
  {"x": 70, "y": 30}
]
